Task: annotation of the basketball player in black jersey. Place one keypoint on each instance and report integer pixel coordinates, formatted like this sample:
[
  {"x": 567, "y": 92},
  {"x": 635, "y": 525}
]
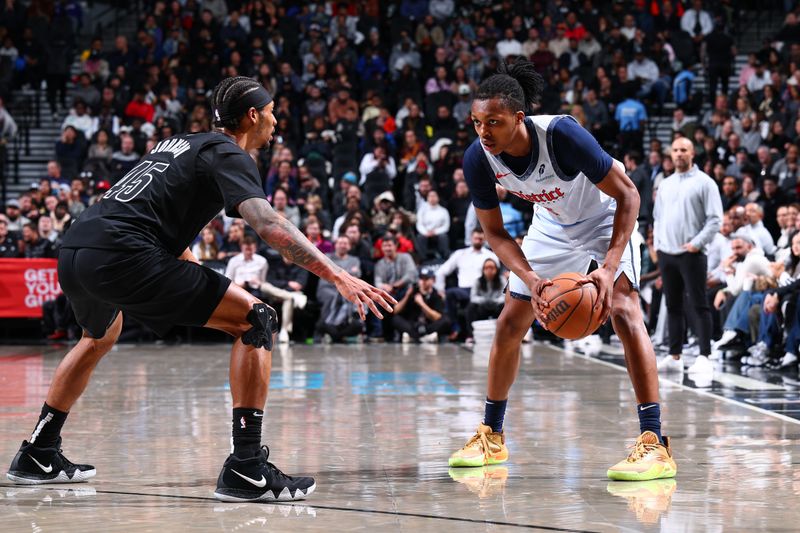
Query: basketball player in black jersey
[{"x": 128, "y": 255}]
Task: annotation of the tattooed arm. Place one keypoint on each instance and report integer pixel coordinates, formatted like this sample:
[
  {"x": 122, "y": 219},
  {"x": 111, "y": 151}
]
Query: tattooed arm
[{"x": 284, "y": 237}]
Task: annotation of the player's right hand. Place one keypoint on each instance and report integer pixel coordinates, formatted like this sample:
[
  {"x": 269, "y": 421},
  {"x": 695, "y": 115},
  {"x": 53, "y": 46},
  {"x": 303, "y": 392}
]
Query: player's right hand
[
  {"x": 360, "y": 292},
  {"x": 539, "y": 304}
]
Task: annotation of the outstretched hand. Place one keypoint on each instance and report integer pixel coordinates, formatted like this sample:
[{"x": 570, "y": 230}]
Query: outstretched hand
[
  {"x": 360, "y": 292},
  {"x": 603, "y": 278}
]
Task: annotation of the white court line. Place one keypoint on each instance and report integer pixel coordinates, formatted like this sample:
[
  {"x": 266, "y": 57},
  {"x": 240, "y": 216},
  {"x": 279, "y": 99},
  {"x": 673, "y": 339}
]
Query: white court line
[
  {"x": 680, "y": 385},
  {"x": 744, "y": 382}
]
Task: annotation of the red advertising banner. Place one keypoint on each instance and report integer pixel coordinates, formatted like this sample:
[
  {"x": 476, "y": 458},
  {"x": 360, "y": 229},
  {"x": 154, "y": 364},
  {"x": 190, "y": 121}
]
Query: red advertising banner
[{"x": 25, "y": 284}]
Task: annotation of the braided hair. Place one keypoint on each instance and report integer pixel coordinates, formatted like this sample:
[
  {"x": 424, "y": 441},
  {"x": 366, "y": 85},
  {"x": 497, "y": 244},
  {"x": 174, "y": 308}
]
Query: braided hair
[
  {"x": 518, "y": 85},
  {"x": 227, "y": 91}
]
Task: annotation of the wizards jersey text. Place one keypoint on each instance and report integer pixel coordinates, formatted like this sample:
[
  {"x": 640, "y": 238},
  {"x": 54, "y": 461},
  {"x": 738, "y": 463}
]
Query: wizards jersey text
[{"x": 558, "y": 176}]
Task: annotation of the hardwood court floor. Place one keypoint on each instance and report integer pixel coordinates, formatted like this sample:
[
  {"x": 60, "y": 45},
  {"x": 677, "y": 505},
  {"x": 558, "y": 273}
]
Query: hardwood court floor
[{"x": 375, "y": 425}]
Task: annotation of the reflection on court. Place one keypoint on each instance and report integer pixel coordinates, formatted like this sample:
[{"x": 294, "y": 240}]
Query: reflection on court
[{"x": 375, "y": 425}]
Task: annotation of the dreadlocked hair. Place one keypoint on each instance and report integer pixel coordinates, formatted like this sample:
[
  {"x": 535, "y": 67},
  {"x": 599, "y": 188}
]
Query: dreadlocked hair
[
  {"x": 227, "y": 91},
  {"x": 518, "y": 85}
]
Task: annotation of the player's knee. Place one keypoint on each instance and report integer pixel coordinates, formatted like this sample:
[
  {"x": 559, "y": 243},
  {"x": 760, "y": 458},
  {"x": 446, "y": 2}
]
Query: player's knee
[
  {"x": 263, "y": 322},
  {"x": 625, "y": 311},
  {"x": 510, "y": 326}
]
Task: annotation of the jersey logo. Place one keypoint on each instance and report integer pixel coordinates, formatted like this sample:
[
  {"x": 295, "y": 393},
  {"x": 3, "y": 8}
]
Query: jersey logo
[
  {"x": 499, "y": 175},
  {"x": 135, "y": 181},
  {"x": 541, "y": 169},
  {"x": 544, "y": 196}
]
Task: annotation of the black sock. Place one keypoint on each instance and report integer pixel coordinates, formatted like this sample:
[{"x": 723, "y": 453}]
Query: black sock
[
  {"x": 650, "y": 418},
  {"x": 246, "y": 431},
  {"x": 48, "y": 428},
  {"x": 494, "y": 413}
]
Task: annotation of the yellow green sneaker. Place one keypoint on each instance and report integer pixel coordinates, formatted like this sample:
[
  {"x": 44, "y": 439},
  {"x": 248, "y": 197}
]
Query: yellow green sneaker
[
  {"x": 484, "y": 448},
  {"x": 648, "y": 460}
]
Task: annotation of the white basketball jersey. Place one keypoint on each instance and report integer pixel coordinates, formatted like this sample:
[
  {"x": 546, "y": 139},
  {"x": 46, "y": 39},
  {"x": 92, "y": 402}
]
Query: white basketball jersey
[{"x": 559, "y": 198}]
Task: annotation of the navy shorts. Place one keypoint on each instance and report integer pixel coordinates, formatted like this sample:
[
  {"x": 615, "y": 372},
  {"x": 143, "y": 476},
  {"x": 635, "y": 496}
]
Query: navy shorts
[{"x": 150, "y": 285}]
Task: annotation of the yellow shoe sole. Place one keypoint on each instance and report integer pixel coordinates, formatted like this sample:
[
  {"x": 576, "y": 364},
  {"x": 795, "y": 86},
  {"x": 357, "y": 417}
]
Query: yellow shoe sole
[
  {"x": 461, "y": 462},
  {"x": 654, "y": 472}
]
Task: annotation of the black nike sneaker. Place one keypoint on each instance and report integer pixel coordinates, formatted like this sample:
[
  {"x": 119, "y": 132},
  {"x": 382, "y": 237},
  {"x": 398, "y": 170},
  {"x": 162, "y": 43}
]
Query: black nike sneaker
[
  {"x": 257, "y": 480},
  {"x": 35, "y": 466}
]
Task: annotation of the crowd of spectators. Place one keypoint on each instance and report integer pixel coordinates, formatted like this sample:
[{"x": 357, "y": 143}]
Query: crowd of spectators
[{"x": 372, "y": 101}]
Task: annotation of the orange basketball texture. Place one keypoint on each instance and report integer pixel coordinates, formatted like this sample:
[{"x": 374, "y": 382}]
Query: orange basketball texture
[{"x": 571, "y": 315}]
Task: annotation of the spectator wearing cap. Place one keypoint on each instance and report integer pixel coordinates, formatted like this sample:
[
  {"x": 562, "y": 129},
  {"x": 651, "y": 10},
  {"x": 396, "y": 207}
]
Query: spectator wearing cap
[
  {"x": 100, "y": 188},
  {"x": 15, "y": 219},
  {"x": 463, "y": 108},
  {"x": 419, "y": 314},
  {"x": 9, "y": 244},
  {"x": 384, "y": 209},
  {"x": 36, "y": 247}
]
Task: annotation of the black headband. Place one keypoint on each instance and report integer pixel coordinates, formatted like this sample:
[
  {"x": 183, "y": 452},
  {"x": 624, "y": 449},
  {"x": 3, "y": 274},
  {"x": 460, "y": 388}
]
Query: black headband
[{"x": 257, "y": 97}]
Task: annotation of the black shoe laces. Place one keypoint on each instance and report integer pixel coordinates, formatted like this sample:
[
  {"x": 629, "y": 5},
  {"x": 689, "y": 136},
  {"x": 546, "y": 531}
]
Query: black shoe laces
[{"x": 274, "y": 469}]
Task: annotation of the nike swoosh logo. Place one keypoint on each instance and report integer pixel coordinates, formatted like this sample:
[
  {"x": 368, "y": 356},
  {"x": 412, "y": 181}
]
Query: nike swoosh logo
[
  {"x": 258, "y": 415},
  {"x": 498, "y": 175},
  {"x": 46, "y": 469},
  {"x": 260, "y": 483},
  {"x": 646, "y": 408}
]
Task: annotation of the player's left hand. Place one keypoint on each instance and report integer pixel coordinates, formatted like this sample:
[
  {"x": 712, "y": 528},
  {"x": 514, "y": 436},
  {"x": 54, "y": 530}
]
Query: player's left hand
[
  {"x": 603, "y": 278},
  {"x": 360, "y": 292}
]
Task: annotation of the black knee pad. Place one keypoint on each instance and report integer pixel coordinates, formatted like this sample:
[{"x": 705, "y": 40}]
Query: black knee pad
[{"x": 264, "y": 320}]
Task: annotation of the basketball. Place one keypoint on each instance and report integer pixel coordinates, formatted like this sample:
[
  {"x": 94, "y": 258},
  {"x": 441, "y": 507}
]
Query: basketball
[{"x": 571, "y": 314}]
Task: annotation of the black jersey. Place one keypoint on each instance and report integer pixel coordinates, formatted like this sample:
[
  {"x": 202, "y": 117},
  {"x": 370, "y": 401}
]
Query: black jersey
[{"x": 167, "y": 198}]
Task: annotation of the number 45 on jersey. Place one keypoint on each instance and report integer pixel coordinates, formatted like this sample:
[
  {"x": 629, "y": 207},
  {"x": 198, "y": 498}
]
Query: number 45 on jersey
[{"x": 135, "y": 181}]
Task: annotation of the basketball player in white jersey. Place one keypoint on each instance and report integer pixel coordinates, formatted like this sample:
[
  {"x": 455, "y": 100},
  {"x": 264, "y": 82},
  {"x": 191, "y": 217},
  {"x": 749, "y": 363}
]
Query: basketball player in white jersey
[{"x": 585, "y": 210}]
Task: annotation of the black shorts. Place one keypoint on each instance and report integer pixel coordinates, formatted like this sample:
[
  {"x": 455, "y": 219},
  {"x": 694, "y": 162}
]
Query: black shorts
[{"x": 152, "y": 286}]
